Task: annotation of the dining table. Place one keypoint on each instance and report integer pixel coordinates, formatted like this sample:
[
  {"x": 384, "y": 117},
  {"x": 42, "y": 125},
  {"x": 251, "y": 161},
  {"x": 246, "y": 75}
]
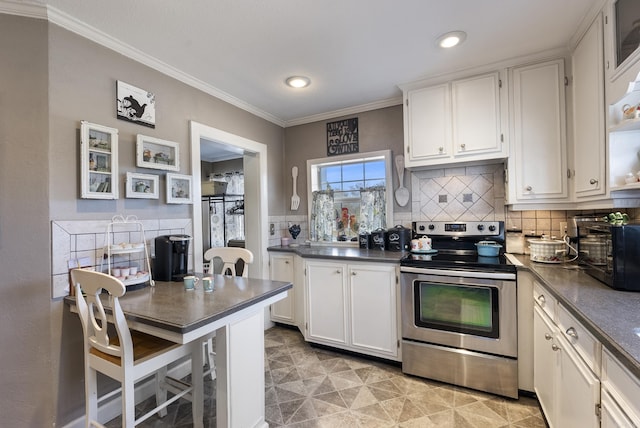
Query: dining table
[{"x": 234, "y": 311}]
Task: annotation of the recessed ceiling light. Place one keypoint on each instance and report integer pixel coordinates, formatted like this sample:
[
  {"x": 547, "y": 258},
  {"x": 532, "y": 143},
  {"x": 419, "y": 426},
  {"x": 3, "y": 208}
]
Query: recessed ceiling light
[
  {"x": 298, "y": 81},
  {"x": 451, "y": 39}
]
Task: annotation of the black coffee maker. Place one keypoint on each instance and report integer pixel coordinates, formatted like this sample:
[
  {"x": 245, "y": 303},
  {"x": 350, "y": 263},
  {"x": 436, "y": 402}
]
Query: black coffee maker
[{"x": 172, "y": 256}]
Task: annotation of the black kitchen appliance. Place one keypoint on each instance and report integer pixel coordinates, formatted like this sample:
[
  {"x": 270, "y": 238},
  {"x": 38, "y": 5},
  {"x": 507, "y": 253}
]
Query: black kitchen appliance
[
  {"x": 172, "y": 257},
  {"x": 610, "y": 253},
  {"x": 398, "y": 239},
  {"x": 459, "y": 314}
]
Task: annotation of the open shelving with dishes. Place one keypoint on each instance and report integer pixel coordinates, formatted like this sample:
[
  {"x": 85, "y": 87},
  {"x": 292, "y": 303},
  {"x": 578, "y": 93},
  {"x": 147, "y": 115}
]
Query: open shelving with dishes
[
  {"x": 624, "y": 141},
  {"x": 126, "y": 256}
]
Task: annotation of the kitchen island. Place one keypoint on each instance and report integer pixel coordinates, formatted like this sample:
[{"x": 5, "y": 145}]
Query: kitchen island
[{"x": 235, "y": 312}]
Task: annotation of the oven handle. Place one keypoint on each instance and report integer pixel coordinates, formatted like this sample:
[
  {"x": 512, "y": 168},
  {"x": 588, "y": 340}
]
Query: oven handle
[{"x": 458, "y": 273}]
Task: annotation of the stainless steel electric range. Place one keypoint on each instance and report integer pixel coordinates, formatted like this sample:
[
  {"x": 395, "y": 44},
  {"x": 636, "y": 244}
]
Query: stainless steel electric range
[{"x": 459, "y": 315}]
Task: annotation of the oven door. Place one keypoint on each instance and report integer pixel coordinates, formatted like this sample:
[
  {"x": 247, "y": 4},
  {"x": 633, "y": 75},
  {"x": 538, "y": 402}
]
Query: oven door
[{"x": 465, "y": 310}]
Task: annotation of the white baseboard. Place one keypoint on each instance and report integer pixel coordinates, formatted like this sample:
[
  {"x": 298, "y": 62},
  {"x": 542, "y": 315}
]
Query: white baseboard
[{"x": 144, "y": 390}]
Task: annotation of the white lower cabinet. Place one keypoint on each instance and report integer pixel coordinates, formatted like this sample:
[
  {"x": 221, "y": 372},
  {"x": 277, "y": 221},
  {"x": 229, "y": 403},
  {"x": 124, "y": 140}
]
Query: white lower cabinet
[
  {"x": 282, "y": 267},
  {"x": 620, "y": 394},
  {"x": 568, "y": 391},
  {"x": 353, "y": 306}
]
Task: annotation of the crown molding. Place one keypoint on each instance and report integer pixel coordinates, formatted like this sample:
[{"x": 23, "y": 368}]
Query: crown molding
[
  {"x": 345, "y": 111},
  {"x": 66, "y": 21},
  {"x": 26, "y": 9}
]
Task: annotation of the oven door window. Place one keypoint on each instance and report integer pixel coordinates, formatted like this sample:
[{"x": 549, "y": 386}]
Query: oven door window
[{"x": 470, "y": 309}]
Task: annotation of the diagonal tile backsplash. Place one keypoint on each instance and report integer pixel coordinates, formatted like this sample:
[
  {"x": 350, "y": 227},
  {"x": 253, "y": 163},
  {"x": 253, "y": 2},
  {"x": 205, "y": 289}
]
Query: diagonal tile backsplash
[{"x": 459, "y": 194}]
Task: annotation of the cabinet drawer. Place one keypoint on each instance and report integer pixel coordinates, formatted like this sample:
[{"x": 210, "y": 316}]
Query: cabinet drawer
[
  {"x": 544, "y": 300},
  {"x": 623, "y": 386},
  {"x": 583, "y": 342}
]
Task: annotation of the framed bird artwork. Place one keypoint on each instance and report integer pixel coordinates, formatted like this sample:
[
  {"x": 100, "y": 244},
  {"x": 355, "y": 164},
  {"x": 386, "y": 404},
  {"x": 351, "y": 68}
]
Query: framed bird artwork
[{"x": 135, "y": 104}]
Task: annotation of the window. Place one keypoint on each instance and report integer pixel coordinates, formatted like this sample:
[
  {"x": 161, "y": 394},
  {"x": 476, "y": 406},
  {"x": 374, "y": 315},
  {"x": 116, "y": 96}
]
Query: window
[{"x": 349, "y": 195}]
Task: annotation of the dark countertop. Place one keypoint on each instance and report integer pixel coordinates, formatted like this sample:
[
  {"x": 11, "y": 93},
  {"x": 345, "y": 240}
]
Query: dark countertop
[
  {"x": 169, "y": 306},
  {"x": 612, "y": 316},
  {"x": 342, "y": 253}
]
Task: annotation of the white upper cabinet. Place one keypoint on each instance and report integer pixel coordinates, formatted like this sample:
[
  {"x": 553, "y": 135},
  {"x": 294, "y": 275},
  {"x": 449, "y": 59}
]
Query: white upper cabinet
[
  {"x": 589, "y": 113},
  {"x": 458, "y": 121},
  {"x": 427, "y": 125},
  {"x": 538, "y": 161}
]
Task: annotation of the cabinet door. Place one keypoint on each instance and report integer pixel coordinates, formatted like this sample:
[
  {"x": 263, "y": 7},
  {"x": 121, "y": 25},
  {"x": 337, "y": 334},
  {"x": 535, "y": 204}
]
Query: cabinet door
[
  {"x": 588, "y": 113},
  {"x": 372, "y": 297},
  {"x": 544, "y": 364},
  {"x": 539, "y": 132},
  {"x": 281, "y": 268},
  {"x": 578, "y": 391},
  {"x": 427, "y": 124},
  {"x": 476, "y": 115},
  {"x": 611, "y": 415},
  {"x": 326, "y": 296}
]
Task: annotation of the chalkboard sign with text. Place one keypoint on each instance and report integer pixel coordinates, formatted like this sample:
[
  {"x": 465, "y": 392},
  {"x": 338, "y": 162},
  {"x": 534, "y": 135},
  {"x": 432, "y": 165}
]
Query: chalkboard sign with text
[{"x": 342, "y": 137}]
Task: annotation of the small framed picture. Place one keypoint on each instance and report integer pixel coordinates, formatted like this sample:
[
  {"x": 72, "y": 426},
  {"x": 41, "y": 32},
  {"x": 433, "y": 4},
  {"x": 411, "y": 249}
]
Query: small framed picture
[
  {"x": 157, "y": 154},
  {"x": 179, "y": 189},
  {"x": 142, "y": 186},
  {"x": 135, "y": 104}
]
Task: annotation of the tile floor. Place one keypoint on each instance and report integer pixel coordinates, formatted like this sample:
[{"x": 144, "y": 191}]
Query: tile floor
[{"x": 308, "y": 387}]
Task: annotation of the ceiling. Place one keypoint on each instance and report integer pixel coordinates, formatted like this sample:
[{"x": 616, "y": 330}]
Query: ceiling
[{"x": 355, "y": 52}]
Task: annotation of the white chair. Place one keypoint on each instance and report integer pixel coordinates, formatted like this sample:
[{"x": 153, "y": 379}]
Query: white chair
[
  {"x": 126, "y": 356},
  {"x": 228, "y": 257}
]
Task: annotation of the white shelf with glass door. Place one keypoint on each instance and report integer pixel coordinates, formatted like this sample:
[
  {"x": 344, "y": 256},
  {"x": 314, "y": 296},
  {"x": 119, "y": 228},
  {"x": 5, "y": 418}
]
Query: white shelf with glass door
[
  {"x": 98, "y": 161},
  {"x": 125, "y": 251}
]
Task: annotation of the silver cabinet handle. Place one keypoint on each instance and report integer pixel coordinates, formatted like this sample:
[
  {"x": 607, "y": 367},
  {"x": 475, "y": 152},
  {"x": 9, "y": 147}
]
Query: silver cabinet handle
[
  {"x": 463, "y": 146},
  {"x": 441, "y": 149},
  {"x": 338, "y": 271},
  {"x": 548, "y": 336},
  {"x": 541, "y": 299},
  {"x": 529, "y": 188},
  {"x": 353, "y": 273},
  {"x": 593, "y": 181},
  {"x": 555, "y": 347},
  {"x": 286, "y": 262},
  {"x": 572, "y": 332}
]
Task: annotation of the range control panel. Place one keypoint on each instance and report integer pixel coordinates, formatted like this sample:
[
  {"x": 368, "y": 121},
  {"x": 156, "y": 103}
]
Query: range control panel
[{"x": 456, "y": 228}]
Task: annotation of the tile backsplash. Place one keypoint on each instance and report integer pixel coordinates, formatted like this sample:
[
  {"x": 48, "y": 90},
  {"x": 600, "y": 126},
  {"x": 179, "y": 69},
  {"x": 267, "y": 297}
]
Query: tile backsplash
[
  {"x": 85, "y": 239},
  {"x": 458, "y": 194}
]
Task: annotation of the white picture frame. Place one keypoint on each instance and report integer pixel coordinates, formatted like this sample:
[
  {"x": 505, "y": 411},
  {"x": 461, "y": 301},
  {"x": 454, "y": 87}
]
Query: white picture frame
[
  {"x": 135, "y": 105},
  {"x": 155, "y": 153},
  {"x": 179, "y": 189},
  {"x": 142, "y": 186},
  {"x": 98, "y": 161}
]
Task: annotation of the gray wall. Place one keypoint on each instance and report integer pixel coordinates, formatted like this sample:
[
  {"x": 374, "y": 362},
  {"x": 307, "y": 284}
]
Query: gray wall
[
  {"x": 26, "y": 358},
  {"x": 50, "y": 80},
  {"x": 377, "y": 130}
]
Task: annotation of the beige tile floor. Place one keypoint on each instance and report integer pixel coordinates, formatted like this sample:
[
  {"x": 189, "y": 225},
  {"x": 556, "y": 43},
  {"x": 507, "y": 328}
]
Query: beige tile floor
[{"x": 308, "y": 387}]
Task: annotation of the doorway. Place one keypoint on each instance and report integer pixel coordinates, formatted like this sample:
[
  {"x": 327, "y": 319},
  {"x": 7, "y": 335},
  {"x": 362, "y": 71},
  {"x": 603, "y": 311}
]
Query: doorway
[{"x": 254, "y": 158}]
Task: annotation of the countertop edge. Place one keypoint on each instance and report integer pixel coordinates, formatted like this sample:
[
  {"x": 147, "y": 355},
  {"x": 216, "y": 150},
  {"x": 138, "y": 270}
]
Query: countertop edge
[{"x": 605, "y": 339}]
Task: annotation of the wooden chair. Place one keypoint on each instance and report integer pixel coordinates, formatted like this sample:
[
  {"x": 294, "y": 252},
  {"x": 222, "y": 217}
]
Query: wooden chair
[
  {"x": 126, "y": 356},
  {"x": 229, "y": 258}
]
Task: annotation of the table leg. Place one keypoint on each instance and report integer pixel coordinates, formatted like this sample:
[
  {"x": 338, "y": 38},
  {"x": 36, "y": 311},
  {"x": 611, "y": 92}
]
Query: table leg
[
  {"x": 197, "y": 373},
  {"x": 240, "y": 373}
]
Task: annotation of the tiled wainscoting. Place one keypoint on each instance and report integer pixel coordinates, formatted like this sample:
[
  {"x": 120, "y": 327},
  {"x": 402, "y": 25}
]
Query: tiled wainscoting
[{"x": 86, "y": 240}]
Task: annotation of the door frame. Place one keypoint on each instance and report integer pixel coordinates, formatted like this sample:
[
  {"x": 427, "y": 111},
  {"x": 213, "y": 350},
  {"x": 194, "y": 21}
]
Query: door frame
[{"x": 256, "y": 201}]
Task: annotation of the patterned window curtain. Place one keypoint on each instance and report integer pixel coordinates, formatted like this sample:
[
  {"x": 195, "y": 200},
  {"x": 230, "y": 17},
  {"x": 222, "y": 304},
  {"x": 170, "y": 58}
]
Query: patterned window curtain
[
  {"x": 323, "y": 216},
  {"x": 373, "y": 209}
]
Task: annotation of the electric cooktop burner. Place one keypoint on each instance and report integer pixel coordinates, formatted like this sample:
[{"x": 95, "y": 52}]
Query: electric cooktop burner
[{"x": 454, "y": 246}]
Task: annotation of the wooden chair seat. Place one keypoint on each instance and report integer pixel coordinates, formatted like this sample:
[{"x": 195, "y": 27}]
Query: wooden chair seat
[{"x": 144, "y": 346}]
